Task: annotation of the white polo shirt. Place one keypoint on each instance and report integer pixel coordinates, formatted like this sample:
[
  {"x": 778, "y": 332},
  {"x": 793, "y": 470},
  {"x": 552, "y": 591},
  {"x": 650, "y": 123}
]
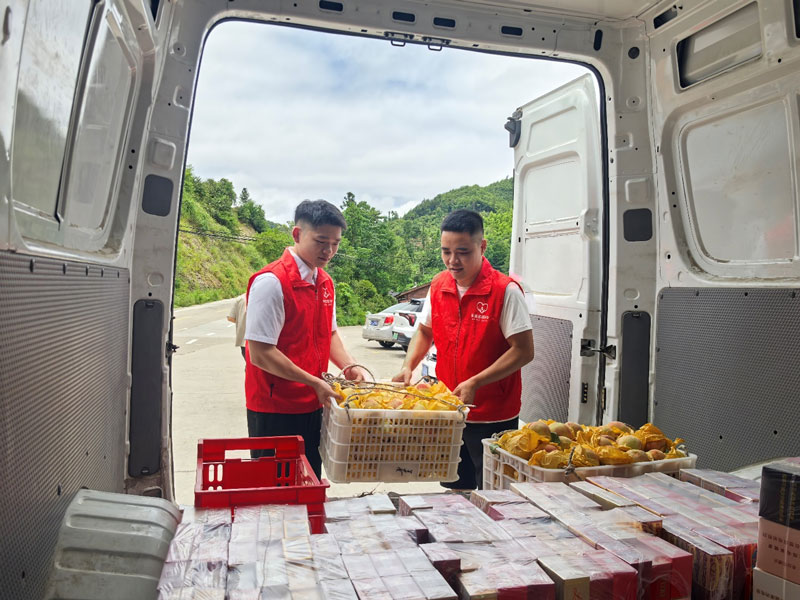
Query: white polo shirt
[{"x": 265, "y": 314}]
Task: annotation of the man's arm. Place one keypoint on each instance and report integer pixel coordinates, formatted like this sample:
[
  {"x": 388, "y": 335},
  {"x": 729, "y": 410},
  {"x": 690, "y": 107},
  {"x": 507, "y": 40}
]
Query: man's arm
[
  {"x": 341, "y": 358},
  {"x": 272, "y": 360},
  {"x": 517, "y": 356},
  {"x": 417, "y": 348},
  {"x": 231, "y": 319}
]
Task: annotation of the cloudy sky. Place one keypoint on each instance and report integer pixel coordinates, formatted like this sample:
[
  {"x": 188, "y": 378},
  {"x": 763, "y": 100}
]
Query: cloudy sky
[{"x": 292, "y": 114}]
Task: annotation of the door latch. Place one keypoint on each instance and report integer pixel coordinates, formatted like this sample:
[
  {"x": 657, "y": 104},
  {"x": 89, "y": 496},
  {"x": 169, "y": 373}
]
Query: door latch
[
  {"x": 514, "y": 128},
  {"x": 588, "y": 349},
  {"x": 171, "y": 349}
]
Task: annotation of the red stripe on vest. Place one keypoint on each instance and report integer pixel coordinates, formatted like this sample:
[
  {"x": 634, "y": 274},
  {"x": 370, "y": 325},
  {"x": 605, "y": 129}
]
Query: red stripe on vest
[
  {"x": 468, "y": 339},
  {"x": 305, "y": 339}
]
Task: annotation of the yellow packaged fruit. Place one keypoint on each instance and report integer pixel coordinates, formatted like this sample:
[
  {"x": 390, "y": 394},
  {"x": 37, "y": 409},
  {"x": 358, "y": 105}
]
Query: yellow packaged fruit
[
  {"x": 613, "y": 444},
  {"x": 555, "y": 459},
  {"x": 584, "y": 456},
  {"x": 611, "y": 455},
  {"x": 383, "y": 396},
  {"x": 522, "y": 442}
]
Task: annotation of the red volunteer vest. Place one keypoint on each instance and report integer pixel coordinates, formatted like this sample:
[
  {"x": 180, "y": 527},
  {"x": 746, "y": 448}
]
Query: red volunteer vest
[
  {"x": 468, "y": 339},
  {"x": 305, "y": 339}
]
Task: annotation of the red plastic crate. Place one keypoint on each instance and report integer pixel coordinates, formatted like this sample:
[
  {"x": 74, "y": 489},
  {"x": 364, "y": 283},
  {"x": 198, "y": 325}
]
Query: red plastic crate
[{"x": 285, "y": 478}]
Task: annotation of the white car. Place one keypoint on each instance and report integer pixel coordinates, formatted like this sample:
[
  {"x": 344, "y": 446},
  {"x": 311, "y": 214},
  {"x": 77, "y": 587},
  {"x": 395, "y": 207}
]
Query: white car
[
  {"x": 429, "y": 363},
  {"x": 406, "y": 323},
  {"x": 379, "y": 326}
]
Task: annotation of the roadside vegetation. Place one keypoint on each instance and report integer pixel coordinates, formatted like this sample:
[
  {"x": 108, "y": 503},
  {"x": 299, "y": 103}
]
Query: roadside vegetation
[{"x": 225, "y": 237}]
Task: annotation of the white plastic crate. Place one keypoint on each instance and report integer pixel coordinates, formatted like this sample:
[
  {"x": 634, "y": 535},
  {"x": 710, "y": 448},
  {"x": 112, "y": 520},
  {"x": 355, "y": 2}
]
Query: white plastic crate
[
  {"x": 391, "y": 445},
  {"x": 501, "y": 469}
]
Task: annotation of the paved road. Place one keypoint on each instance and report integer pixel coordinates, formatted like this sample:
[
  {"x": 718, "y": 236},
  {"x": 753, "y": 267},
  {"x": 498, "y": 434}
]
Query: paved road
[{"x": 208, "y": 391}]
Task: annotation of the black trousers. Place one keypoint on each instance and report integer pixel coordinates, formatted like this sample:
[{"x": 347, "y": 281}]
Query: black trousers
[
  {"x": 470, "y": 469},
  {"x": 307, "y": 425}
]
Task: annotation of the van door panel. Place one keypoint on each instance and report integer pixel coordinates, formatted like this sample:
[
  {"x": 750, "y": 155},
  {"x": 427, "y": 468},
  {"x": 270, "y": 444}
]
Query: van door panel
[{"x": 556, "y": 243}]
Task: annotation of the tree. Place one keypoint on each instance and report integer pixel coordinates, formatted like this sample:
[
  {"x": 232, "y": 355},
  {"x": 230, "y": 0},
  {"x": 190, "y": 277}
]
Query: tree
[
  {"x": 272, "y": 242},
  {"x": 244, "y": 196},
  {"x": 253, "y": 214}
]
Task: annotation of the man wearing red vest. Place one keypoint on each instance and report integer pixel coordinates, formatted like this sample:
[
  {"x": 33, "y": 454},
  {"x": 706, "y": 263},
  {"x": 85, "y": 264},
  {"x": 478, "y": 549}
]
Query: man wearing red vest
[
  {"x": 481, "y": 325},
  {"x": 291, "y": 333}
]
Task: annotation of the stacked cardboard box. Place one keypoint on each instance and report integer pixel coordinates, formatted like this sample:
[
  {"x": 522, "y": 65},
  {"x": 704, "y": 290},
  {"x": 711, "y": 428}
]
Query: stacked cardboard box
[
  {"x": 380, "y": 551},
  {"x": 719, "y": 532},
  {"x": 725, "y": 484},
  {"x": 602, "y": 555},
  {"x": 777, "y": 576},
  {"x": 628, "y": 533}
]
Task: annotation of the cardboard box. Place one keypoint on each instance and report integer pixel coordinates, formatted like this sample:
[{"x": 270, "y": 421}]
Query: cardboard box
[
  {"x": 483, "y": 499},
  {"x": 770, "y": 587},
  {"x": 780, "y": 493},
  {"x": 604, "y": 498},
  {"x": 779, "y": 550},
  {"x": 434, "y": 585},
  {"x": 625, "y": 577},
  {"x": 712, "y": 565},
  {"x": 572, "y": 582}
]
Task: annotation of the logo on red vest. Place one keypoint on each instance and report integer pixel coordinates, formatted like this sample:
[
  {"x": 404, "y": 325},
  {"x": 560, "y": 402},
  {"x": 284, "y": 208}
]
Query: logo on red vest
[
  {"x": 326, "y": 297},
  {"x": 482, "y": 308}
]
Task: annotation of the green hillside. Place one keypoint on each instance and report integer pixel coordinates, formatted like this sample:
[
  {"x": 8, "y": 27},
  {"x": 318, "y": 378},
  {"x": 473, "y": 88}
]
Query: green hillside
[
  {"x": 229, "y": 240},
  {"x": 380, "y": 255}
]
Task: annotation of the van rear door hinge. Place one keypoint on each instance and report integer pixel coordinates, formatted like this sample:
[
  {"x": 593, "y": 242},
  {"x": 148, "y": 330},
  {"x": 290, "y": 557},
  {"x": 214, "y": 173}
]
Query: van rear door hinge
[
  {"x": 588, "y": 349},
  {"x": 398, "y": 39},
  {"x": 435, "y": 44},
  {"x": 171, "y": 349}
]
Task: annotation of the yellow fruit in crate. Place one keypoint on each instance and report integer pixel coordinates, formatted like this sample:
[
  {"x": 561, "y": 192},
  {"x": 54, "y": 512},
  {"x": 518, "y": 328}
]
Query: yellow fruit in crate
[
  {"x": 576, "y": 427},
  {"x": 522, "y": 442},
  {"x": 638, "y": 456},
  {"x": 630, "y": 441},
  {"x": 611, "y": 455},
  {"x": 562, "y": 430},
  {"x": 383, "y": 396},
  {"x": 550, "y": 460},
  {"x": 539, "y": 427},
  {"x": 656, "y": 455},
  {"x": 606, "y": 431},
  {"x": 658, "y": 445},
  {"x": 621, "y": 426},
  {"x": 604, "y": 440},
  {"x": 584, "y": 456},
  {"x": 564, "y": 441}
]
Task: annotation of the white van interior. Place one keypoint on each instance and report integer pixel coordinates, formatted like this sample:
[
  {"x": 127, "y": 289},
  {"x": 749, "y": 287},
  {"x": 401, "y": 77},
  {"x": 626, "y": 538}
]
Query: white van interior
[{"x": 655, "y": 222}]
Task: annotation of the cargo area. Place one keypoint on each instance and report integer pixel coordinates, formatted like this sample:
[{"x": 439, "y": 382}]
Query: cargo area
[
  {"x": 650, "y": 213},
  {"x": 698, "y": 534}
]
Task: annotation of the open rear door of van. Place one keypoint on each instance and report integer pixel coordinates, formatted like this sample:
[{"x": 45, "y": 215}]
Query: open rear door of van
[{"x": 557, "y": 249}]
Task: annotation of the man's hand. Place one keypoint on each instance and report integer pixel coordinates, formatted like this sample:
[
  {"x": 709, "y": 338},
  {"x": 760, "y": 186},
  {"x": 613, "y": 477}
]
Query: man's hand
[
  {"x": 323, "y": 391},
  {"x": 466, "y": 391},
  {"x": 356, "y": 374},
  {"x": 403, "y": 376}
]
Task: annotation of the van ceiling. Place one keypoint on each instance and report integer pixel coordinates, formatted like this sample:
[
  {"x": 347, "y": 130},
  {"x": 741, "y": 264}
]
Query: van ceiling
[{"x": 597, "y": 9}]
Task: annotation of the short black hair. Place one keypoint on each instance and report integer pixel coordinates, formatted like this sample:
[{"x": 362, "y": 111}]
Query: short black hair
[
  {"x": 463, "y": 221},
  {"x": 318, "y": 213}
]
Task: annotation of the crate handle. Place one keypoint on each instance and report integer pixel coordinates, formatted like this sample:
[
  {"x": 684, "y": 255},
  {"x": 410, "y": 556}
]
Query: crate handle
[{"x": 287, "y": 446}]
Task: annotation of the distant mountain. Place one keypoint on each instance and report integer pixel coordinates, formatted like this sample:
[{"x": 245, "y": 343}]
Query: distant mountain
[{"x": 495, "y": 197}]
